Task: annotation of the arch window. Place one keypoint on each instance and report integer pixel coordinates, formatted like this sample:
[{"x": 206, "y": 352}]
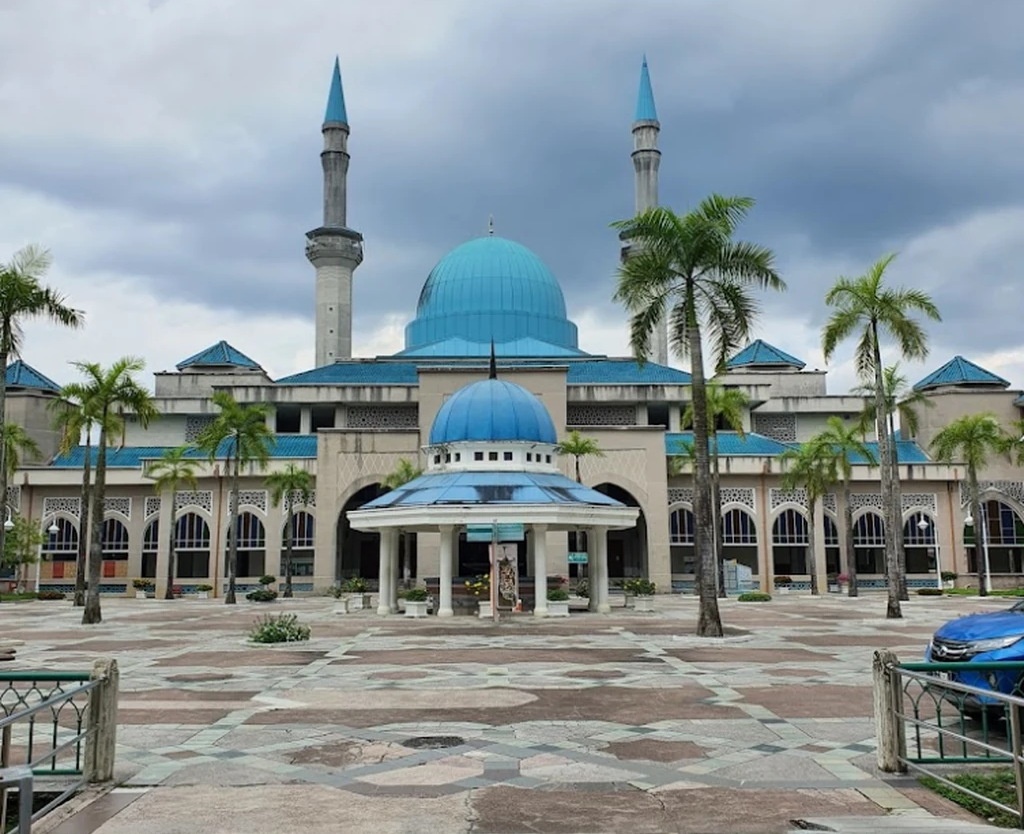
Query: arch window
[
  {"x": 790, "y": 528},
  {"x": 869, "y": 543},
  {"x": 192, "y": 546},
  {"x": 790, "y": 540},
  {"x": 919, "y": 543},
  {"x": 683, "y": 524},
  {"x": 303, "y": 537},
  {"x": 115, "y": 548},
  {"x": 61, "y": 548},
  {"x": 739, "y": 538},
  {"x": 682, "y": 536},
  {"x": 831, "y": 536},
  {"x": 150, "y": 546},
  {"x": 251, "y": 545},
  {"x": 1004, "y": 531}
]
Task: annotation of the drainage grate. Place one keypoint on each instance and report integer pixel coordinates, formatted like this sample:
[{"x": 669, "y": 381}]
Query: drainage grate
[{"x": 433, "y": 742}]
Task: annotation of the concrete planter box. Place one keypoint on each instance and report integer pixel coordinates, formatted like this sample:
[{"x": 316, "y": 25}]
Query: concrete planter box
[
  {"x": 782, "y": 589},
  {"x": 645, "y": 603},
  {"x": 558, "y": 609},
  {"x": 416, "y": 610},
  {"x": 358, "y": 602},
  {"x": 202, "y": 594},
  {"x": 341, "y": 607},
  {"x": 630, "y": 600},
  {"x": 485, "y": 611},
  {"x": 833, "y": 589}
]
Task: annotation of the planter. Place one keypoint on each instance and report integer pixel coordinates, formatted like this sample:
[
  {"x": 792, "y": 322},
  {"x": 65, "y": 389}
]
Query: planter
[
  {"x": 401, "y": 604},
  {"x": 782, "y": 589},
  {"x": 485, "y": 611},
  {"x": 416, "y": 609},
  {"x": 949, "y": 584},
  {"x": 833, "y": 589},
  {"x": 342, "y": 606},
  {"x": 644, "y": 603},
  {"x": 202, "y": 594},
  {"x": 630, "y": 600},
  {"x": 558, "y": 609},
  {"x": 359, "y": 602}
]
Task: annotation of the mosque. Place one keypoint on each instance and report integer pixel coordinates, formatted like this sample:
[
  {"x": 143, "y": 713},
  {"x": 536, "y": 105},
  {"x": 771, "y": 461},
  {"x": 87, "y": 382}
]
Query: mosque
[{"x": 491, "y": 378}]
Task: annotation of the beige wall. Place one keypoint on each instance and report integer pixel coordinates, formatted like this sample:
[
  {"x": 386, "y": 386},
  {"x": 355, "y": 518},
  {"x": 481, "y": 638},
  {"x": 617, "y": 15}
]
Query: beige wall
[{"x": 30, "y": 410}]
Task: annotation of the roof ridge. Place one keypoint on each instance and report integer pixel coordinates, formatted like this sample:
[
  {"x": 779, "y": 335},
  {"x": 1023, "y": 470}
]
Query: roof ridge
[{"x": 961, "y": 371}]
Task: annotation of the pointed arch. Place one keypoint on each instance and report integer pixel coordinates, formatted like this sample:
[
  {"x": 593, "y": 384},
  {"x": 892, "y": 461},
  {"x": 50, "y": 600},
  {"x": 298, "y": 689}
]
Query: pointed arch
[
  {"x": 150, "y": 547},
  {"x": 869, "y": 542},
  {"x": 192, "y": 546},
  {"x": 303, "y": 542},
  {"x": 251, "y": 545},
  {"x": 790, "y": 541}
]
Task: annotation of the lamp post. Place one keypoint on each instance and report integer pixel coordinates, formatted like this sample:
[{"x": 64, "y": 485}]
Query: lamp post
[
  {"x": 924, "y": 525},
  {"x": 969, "y": 521}
]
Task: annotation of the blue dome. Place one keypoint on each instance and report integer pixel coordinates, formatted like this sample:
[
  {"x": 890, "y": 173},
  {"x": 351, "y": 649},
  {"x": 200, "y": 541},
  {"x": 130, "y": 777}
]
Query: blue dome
[
  {"x": 493, "y": 409},
  {"x": 491, "y": 289}
]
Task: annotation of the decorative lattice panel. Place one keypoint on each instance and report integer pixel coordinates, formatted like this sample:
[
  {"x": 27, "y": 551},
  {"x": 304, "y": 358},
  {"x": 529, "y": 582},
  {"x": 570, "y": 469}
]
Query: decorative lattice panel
[
  {"x": 256, "y": 498},
  {"x": 194, "y": 427},
  {"x": 738, "y": 495},
  {"x": 680, "y": 495},
  {"x": 919, "y": 501},
  {"x": 630, "y": 463},
  {"x": 382, "y": 417},
  {"x": 601, "y": 415},
  {"x": 781, "y": 427},
  {"x": 778, "y": 497},
  {"x": 828, "y": 501},
  {"x": 866, "y": 500},
  {"x": 71, "y": 506},
  {"x": 118, "y": 505},
  {"x": 202, "y": 499},
  {"x": 14, "y": 497},
  {"x": 152, "y": 505},
  {"x": 1014, "y": 489},
  {"x": 296, "y": 499}
]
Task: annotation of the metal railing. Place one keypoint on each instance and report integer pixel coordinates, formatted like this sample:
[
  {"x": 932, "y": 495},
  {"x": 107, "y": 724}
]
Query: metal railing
[{"x": 927, "y": 716}]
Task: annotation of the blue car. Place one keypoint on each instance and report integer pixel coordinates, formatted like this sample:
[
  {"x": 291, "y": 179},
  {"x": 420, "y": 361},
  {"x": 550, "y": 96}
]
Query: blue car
[{"x": 995, "y": 636}]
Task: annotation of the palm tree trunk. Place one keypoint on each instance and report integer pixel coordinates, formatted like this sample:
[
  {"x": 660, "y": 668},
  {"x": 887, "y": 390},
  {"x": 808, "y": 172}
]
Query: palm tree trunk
[
  {"x": 716, "y": 516},
  {"x": 5, "y": 339},
  {"x": 893, "y": 611},
  {"x": 83, "y": 523},
  {"x": 578, "y": 480},
  {"x": 851, "y": 554},
  {"x": 979, "y": 523},
  {"x": 709, "y": 621},
  {"x": 288, "y": 553},
  {"x": 897, "y": 508},
  {"x": 812, "y": 535},
  {"x": 92, "y": 613},
  {"x": 171, "y": 555},
  {"x": 229, "y": 598}
]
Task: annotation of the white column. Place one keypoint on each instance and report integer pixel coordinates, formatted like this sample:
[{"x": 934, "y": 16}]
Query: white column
[
  {"x": 444, "y": 606},
  {"x": 306, "y": 419},
  {"x": 540, "y": 569},
  {"x": 593, "y": 566},
  {"x": 603, "y": 605},
  {"x": 387, "y": 560}
]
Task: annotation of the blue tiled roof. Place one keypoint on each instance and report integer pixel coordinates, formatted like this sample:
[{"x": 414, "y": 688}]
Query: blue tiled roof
[
  {"x": 730, "y": 444},
  {"x": 356, "y": 373},
  {"x": 458, "y": 347},
  {"x": 907, "y": 451},
  {"x": 760, "y": 352},
  {"x": 336, "y": 98},
  {"x": 22, "y": 375},
  {"x": 491, "y": 488},
  {"x": 131, "y": 457},
  {"x": 493, "y": 409},
  {"x": 624, "y": 372},
  {"x": 645, "y": 109},
  {"x": 960, "y": 371},
  {"x": 219, "y": 354}
]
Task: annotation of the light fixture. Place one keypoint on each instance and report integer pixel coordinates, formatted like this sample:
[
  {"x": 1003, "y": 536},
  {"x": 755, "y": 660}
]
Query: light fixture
[
  {"x": 53, "y": 529},
  {"x": 969, "y": 521},
  {"x": 923, "y": 525},
  {"x": 8, "y": 525}
]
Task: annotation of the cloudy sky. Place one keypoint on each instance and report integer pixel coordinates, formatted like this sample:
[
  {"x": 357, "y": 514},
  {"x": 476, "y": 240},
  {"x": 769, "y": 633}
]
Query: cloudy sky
[{"x": 167, "y": 153}]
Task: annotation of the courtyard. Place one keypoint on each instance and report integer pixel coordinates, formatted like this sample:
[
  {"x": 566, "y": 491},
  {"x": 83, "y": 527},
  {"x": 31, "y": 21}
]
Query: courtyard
[{"x": 599, "y": 723}]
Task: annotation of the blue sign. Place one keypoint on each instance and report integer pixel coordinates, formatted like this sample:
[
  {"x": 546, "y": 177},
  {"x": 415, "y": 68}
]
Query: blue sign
[
  {"x": 479, "y": 532},
  {"x": 577, "y": 558},
  {"x": 511, "y": 532},
  {"x": 487, "y": 533}
]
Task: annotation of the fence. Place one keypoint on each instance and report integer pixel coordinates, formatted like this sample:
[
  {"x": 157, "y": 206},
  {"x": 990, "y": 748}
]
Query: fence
[
  {"x": 55, "y": 727},
  {"x": 929, "y": 715}
]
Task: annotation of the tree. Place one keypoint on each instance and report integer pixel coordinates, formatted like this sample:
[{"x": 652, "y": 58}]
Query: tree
[
  {"x": 108, "y": 393},
  {"x": 1015, "y": 443},
  {"x": 864, "y": 307},
  {"x": 23, "y": 297},
  {"x": 813, "y": 467},
  {"x": 845, "y": 444},
  {"x": 240, "y": 434},
  {"x": 971, "y": 439},
  {"x": 726, "y": 405},
  {"x": 21, "y": 547},
  {"x": 903, "y": 401},
  {"x": 293, "y": 485},
  {"x": 687, "y": 267},
  {"x": 17, "y": 445},
  {"x": 579, "y": 447},
  {"x": 171, "y": 471}
]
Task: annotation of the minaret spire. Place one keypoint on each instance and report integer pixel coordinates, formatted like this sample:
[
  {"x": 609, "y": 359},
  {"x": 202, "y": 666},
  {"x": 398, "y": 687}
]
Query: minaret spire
[
  {"x": 493, "y": 372},
  {"x": 490, "y": 225},
  {"x": 334, "y": 249}
]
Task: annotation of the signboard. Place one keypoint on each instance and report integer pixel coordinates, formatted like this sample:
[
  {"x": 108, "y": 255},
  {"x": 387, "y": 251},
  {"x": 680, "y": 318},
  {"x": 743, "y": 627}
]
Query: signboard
[
  {"x": 577, "y": 558},
  {"x": 511, "y": 532},
  {"x": 485, "y": 532},
  {"x": 479, "y": 532}
]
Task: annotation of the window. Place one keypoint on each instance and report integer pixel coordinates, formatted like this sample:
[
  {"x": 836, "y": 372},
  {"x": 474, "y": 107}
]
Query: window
[
  {"x": 492, "y": 456},
  {"x": 478, "y": 455},
  {"x": 547, "y": 459},
  {"x": 447, "y": 457},
  {"x": 529, "y": 457},
  {"x": 508, "y": 456},
  {"x": 115, "y": 540},
  {"x": 62, "y": 546},
  {"x": 150, "y": 543},
  {"x": 252, "y": 542},
  {"x": 458, "y": 456},
  {"x": 437, "y": 458},
  {"x": 303, "y": 537},
  {"x": 192, "y": 545}
]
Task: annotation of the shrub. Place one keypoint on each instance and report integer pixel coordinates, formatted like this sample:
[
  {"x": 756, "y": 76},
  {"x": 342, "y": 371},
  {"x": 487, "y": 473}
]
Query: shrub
[
  {"x": 267, "y": 579},
  {"x": 558, "y": 595},
  {"x": 754, "y": 596},
  {"x": 480, "y": 587},
  {"x": 177, "y": 590},
  {"x": 844, "y": 579},
  {"x": 583, "y": 588},
  {"x": 143, "y": 584},
  {"x": 356, "y": 585},
  {"x": 263, "y": 594},
  {"x": 833, "y": 579},
  {"x": 50, "y": 595},
  {"x": 204, "y": 588},
  {"x": 282, "y": 628},
  {"x": 639, "y": 587},
  {"x": 929, "y": 592},
  {"x": 781, "y": 581},
  {"x": 949, "y": 576},
  {"x": 416, "y": 595}
]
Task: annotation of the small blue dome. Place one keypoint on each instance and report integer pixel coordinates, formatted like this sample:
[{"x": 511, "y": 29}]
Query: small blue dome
[
  {"x": 493, "y": 409},
  {"x": 491, "y": 289}
]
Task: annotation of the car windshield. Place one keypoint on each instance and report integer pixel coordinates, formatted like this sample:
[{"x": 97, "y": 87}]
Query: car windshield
[{"x": 1018, "y": 607}]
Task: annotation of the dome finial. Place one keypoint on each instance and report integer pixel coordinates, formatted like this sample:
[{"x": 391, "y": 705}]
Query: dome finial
[
  {"x": 490, "y": 225},
  {"x": 494, "y": 364}
]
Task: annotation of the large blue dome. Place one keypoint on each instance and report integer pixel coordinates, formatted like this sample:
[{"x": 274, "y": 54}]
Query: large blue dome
[
  {"x": 493, "y": 409},
  {"x": 491, "y": 289}
]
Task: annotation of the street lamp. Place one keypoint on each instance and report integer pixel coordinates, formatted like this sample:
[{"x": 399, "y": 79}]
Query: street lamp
[
  {"x": 969, "y": 521},
  {"x": 9, "y": 523},
  {"x": 923, "y": 525}
]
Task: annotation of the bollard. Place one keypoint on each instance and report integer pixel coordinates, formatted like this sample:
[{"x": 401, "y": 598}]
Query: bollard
[
  {"x": 887, "y": 699},
  {"x": 102, "y": 740}
]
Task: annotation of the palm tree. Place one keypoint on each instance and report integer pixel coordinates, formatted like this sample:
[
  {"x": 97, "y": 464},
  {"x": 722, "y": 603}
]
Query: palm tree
[
  {"x": 18, "y": 445},
  {"x": 678, "y": 461},
  {"x": 241, "y": 435},
  {"x": 689, "y": 267},
  {"x": 109, "y": 392},
  {"x": 813, "y": 467},
  {"x": 171, "y": 471},
  {"x": 579, "y": 447},
  {"x": 902, "y": 400},
  {"x": 23, "y": 297},
  {"x": 1015, "y": 443},
  {"x": 866, "y": 308},
  {"x": 971, "y": 439},
  {"x": 845, "y": 444},
  {"x": 293, "y": 485},
  {"x": 727, "y": 405}
]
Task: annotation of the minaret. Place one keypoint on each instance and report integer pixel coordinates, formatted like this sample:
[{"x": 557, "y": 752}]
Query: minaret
[
  {"x": 334, "y": 249},
  {"x": 646, "y": 160}
]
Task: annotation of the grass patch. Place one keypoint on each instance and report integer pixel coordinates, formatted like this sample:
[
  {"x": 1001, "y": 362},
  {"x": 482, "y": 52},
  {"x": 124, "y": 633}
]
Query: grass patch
[
  {"x": 973, "y": 592},
  {"x": 754, "y": 596},
  {"x": 18, "y": 597},
  {"x": 995, "y": 784}
]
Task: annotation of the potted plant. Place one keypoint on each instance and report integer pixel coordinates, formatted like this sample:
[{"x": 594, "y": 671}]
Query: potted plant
[
  {"x": 782, "y": 584},
  {"x": 643, "y": 591},
  {"x": 481, "y": 589},
  {"x": 949, "y": 578},
  {"x": 416, "y": 602},
  {"x": 558, "y": 602},
  {"x": 844, "y": 583},
  {"x": 203, "y": 591},
  {"x": 833, "y": 583},
  {"x": 144, "y": 588},
  {"x": 264, "y": 593},
  {"x": 358, "y": 590},
  {"x": 338, "y": 592}
]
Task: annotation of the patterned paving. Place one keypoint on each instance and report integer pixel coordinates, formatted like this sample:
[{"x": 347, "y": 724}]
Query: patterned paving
[{"x": 626, "y": 705}]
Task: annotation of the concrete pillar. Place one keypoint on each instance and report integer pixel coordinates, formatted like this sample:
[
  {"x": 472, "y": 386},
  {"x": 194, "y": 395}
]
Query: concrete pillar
[
  {"x": 272, "y": 419},
  {"x": 675, "y": 417},
  {"x": 540, "y": 572},
  {"x": 601, "y": 574},
  {"x": 165, "y": 531},
  {"x": 393, "y": 579},
  {"x": 819, "y": 547},
  {"x": 102, "y": 722},
  {"x": 340, "y": 416},
  {"x": 305, "y": 419},
  {"x": 387, "y": 560},
  {"x": 444, "y": 606},
  {"x": 592, "y": 567}
]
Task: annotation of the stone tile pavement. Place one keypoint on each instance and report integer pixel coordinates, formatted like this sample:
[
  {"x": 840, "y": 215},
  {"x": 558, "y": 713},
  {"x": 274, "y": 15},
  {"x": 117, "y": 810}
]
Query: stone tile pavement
[{"x": 598, "y": 723}]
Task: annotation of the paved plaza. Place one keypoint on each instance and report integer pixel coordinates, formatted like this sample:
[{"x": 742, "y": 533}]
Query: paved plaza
[{"x": 598, "y": 723}]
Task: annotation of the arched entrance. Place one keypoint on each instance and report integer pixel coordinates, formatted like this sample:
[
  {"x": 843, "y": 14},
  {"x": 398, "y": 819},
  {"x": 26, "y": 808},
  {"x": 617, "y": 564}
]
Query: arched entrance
[
  {"x": 627, "y": 549},
  {"x": 475, "y": 557},
  {"x": 358, "y": 552},
  {"x": 1005, "y": 537}
]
